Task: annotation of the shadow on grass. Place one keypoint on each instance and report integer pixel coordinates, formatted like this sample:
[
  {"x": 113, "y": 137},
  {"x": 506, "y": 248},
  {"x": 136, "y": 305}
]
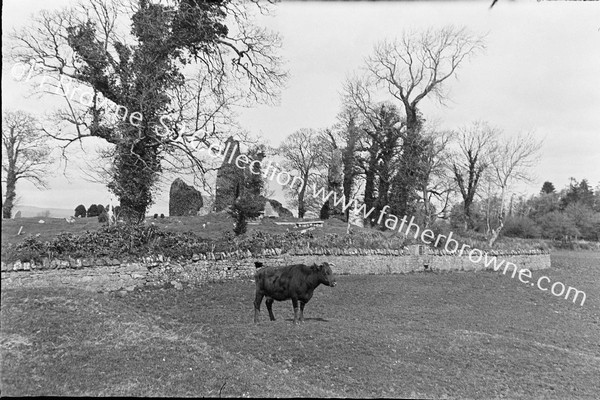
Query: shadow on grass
[{"x": 309, "y": 319}]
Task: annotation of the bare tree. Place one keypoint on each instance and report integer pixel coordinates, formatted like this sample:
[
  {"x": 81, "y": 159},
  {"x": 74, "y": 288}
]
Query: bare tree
[
  {"x": 25, "y": 155},
  {"x": 510, "y": 163},
  {"x": 476, "y": 143},
  {"x": 303, "y": 155},
  {"x": 419, "y": 64},
  {"x": 412, "y": 68}
]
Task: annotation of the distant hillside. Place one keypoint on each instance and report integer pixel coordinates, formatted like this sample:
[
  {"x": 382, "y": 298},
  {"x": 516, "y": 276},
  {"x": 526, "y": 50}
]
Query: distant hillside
[{"x": 31, "y": 211}]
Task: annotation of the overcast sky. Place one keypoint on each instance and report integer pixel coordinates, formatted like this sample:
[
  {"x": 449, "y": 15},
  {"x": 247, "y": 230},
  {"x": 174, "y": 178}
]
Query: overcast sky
[{"x": 540, "y": 72}]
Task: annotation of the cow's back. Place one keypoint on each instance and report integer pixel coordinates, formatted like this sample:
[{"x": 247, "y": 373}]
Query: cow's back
[{"x": 281, "y": 282}]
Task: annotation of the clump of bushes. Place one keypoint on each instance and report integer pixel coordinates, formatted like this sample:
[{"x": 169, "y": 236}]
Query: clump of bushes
[
  {"x": 117, "y": 241},
  {"x": 80, "y": 211},
  {"x": 133, "y": 241},
  {"x": 93, "y": 211},
  {"x": 523, "y": 227}
]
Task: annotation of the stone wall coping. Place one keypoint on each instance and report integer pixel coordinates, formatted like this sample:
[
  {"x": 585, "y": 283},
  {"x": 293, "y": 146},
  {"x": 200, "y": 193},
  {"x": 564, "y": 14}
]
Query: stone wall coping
[{"x": 154, "y": 261}]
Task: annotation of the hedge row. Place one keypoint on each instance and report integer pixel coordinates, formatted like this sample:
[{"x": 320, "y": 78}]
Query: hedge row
[{"x": 135, "y": 241}]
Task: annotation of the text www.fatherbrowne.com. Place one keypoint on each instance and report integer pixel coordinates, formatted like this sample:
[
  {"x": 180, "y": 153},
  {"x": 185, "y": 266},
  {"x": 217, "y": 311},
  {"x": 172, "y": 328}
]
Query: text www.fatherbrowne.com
[{"x": 392, "y": 222}]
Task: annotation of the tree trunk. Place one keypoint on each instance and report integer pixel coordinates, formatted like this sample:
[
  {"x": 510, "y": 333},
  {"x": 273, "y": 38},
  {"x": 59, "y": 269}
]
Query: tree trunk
[
  {"x": 409, "y": 162},
  {"x": 369, "y": 191},
  {"x": 11, "y": 193},
  {"x": 301, "y": 202},
  {"x": 349, "y": 161},
  {"x": 496, "y": 232},
  {"x": 426, "y": 208},
  {"x": 136, "y": 170}
]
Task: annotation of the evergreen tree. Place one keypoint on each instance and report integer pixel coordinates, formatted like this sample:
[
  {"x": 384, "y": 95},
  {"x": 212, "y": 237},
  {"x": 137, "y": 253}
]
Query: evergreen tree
[
  {"x": 547, "y": 188},
  {"x": 80, "y": 211},
  {"x": 93, "y": 211},
  {"x": 578, "y": 192}
]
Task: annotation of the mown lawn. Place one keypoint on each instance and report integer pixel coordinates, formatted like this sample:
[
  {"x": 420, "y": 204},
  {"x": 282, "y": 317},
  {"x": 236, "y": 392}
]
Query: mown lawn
[{"x": 425, "y": 335}]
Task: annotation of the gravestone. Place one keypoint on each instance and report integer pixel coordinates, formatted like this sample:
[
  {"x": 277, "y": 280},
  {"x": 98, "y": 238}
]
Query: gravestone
[{"x": 184, "y": 199}]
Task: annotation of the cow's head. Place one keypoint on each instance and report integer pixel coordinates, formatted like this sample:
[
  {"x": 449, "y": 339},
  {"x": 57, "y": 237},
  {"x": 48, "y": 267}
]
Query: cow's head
[{"x": 325, "y": 273}]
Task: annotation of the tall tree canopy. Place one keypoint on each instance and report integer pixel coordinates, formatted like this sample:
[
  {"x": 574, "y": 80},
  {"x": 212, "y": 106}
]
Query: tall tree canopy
[
  {"x": 412, "y": 68},
  {"x": 156, "y": 93}
]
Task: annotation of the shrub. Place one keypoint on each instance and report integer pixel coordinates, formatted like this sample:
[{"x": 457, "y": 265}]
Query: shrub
[
  {"x": 523, "y": 227},
  {"x": 155, "y": 216},
  {"x": 441, "y": 227},
  {"x": 103, "y": 217},
  {"x": 245, "y": 207},
  {"x": 556, "y": 225},
  {"x": 80, "y": 211},
  {"x": 162, "y": 215},
  {"x": 93, "y": 211}
]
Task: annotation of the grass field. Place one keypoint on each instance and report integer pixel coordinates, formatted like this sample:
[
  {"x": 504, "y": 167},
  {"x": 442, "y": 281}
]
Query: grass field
[{"x": 427, "y": 335}]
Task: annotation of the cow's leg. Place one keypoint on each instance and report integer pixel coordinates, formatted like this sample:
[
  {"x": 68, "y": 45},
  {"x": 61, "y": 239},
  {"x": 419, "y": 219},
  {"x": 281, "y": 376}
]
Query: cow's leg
[
  {"x": 302, "y": 311},
  {"x": 295, "y": 305},
  {"x": 257, "y": 301},
  {"x": 269, "y": 303}
]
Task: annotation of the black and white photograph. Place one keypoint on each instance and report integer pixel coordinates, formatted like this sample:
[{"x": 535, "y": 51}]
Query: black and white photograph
[{"x": 286, "y": 198}]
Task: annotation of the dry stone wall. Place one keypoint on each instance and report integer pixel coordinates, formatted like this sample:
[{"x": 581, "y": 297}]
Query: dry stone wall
[{"x": 112, "y": 275}]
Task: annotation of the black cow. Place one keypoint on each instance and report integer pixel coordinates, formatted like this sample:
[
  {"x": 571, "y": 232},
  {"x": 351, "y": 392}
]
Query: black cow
[{"x": 296, "y": 282}]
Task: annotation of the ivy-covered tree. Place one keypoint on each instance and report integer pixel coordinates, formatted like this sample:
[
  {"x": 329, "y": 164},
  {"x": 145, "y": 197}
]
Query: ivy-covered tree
[
  {"x": 140, "y": 76},
  {"x": 345, "y": 136}
]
